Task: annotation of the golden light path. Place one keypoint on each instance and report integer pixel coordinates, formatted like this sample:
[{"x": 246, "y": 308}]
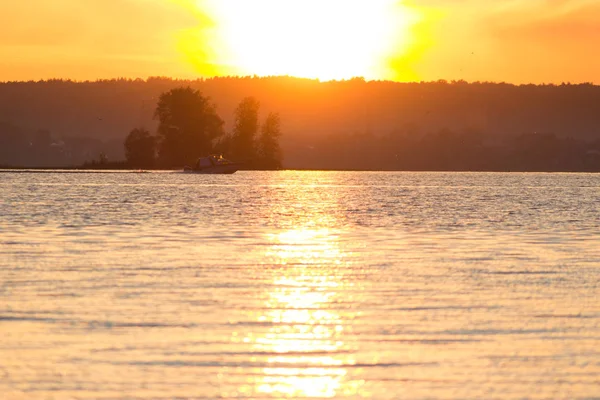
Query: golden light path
[
  {"x": 333, "y": 39},
  {"x": 307, "y": 337}
]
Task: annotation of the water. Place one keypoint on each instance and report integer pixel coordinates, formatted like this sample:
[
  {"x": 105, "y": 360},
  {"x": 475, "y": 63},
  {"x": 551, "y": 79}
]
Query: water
[{"x": 299, "y": 284}]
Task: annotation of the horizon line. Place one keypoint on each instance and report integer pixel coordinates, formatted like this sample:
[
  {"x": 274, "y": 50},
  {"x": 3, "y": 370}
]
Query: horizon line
[{"x": 316, "y": 80}]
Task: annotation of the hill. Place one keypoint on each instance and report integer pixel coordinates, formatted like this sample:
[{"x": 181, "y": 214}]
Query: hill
[{"x": 350, "y": 124}]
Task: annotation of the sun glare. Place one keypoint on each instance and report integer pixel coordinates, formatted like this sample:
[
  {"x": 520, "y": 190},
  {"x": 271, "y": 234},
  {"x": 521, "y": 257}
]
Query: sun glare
[
  {"x": 304, "y": 344},
  {"x": 324, "y": 39}
]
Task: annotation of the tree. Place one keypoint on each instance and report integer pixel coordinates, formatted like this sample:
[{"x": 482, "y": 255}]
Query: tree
[
  {"x": 245, "y": 129},
  {"x": 140, "y": 148},
  {"x": 188, "y": 125},
  {"x": 269, "y": 151}
]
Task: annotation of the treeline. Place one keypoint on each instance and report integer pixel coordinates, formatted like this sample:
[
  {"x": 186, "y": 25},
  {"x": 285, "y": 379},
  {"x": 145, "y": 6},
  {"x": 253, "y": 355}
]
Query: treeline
[
  {"x": 446, "y": 150},
  {"x": 327, "y": 124},
  {"x": 189, "y": 127},
  {"x": 42, "y": 148}
]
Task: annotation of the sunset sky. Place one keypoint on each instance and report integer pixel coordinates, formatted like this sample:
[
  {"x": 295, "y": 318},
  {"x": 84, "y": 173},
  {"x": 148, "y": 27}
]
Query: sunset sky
[{"x": 518, "y": 41}]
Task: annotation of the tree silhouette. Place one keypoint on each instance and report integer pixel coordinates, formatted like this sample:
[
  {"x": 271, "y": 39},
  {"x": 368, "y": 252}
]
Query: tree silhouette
[
  {"x": 188, "y": 125},
  {"x": 324, "y": 122},
  {"x": 269, "y": 151},
  {"x": 245, "y": 129},
  {"x": 13, "y": 144},
  {"x": 140, "y": 148}
]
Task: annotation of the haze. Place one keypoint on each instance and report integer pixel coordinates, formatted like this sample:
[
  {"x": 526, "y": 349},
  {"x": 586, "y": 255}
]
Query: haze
[{"x": 535, "y": 41}]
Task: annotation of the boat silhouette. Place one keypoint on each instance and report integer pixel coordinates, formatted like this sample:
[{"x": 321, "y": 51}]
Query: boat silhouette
[{"x": 213, "y": 164}]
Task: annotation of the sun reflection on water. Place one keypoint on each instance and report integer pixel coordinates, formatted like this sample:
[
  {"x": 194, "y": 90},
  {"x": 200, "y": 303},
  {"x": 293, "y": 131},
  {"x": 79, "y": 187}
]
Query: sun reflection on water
[{"x": 309, "y": 357}]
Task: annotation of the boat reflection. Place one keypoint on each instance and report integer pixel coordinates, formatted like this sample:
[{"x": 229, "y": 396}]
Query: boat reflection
[{"x": 309, "y": 357}]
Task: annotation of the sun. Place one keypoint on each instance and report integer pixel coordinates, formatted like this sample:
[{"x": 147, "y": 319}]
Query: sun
[{"x": 322, "y": 39}]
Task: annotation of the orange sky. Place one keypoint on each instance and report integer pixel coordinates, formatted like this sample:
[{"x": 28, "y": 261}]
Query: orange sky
[{"x": 517, "y": 41}]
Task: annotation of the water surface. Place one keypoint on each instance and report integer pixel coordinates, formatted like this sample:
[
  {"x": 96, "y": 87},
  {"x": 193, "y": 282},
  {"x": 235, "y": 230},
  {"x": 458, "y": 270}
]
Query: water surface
[{"x": 299, "y": 284}]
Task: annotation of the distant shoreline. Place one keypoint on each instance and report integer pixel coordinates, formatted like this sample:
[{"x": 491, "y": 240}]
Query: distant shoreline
[
  {"x": 346, "y": 125},
  {"x": 80, "y": 170}
]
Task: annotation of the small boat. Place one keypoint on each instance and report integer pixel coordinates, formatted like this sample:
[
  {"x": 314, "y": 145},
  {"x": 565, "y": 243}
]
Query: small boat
[{"x": 213, "y": 164}]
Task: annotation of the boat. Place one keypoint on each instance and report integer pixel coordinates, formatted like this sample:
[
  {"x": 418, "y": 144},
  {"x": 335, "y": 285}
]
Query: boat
[{"x": 213, "y": 164}]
